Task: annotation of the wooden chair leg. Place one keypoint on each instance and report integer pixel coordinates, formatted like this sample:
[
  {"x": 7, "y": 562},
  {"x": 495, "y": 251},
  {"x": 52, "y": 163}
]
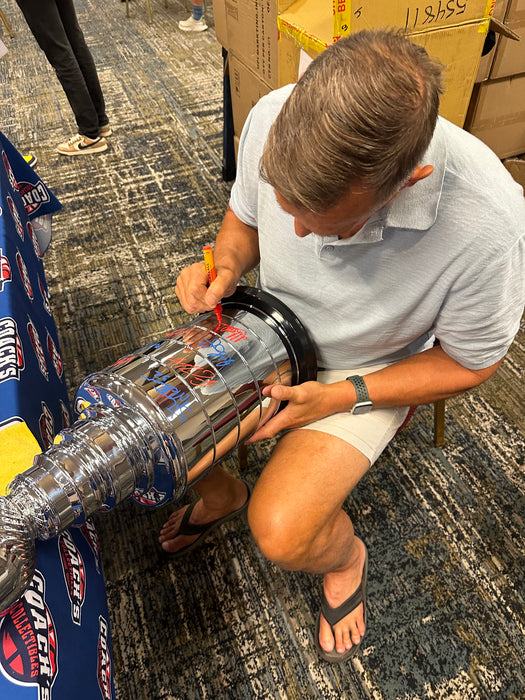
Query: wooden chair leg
[
  {"x": 127, "y": 8},
  {"x": 242, "y": 454},
  {"x": 439, "y": 423},
  {"x": 148, "y": 10},
  {"x": 7, "y": 25}
]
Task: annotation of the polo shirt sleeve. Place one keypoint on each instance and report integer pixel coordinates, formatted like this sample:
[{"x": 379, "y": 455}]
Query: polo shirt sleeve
[
  {"x": 481, "y": 315},
  {"x": 244, "y": 197},
  {"x": 244, "y": 192}
]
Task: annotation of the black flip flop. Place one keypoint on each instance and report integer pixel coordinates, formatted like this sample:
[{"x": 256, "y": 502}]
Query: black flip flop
[
  {"x": 334, "y": 615},
  {"x": 186, "y": 528}
]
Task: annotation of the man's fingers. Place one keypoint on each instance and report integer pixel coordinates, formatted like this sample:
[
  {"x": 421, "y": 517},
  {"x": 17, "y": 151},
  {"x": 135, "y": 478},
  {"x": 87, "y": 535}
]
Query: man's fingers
[
  {"x": 280, "y": 392},
  {"x": 192, "y": 287}
]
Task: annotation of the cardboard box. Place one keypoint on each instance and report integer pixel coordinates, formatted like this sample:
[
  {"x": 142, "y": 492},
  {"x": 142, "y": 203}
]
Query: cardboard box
[
  {"x": 254, "y": 37},
  {"x": 509, "y": 57},
  {"x": 496, "y": 115},
  {"x": 219, "y": 18},
  {"x": 514, "y": 12},
  {"x": 246, "y": 89},
  {"x": 506, "y": 56},
  {"x": 487, "y": 55},
  {"x": 458, "y": 47},
  {"x": 500, "y": 10},
  {"x": 416, "y": 15},
  {"x": 459, "y": 50},
  {"x": 316, "y": 25}
]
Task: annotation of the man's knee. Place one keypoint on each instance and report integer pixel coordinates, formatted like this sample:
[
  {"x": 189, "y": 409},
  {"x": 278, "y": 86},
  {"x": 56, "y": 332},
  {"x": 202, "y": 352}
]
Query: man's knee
[{"x": 279, "y": 531}]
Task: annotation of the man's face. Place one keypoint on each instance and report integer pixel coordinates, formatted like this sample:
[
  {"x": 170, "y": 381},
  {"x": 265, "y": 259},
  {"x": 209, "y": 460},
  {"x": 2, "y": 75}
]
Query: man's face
[{"x": 344, "y": 219}]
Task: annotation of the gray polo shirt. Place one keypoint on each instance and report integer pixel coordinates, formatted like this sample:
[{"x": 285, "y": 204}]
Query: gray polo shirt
[{"x": 445, "y": 258}]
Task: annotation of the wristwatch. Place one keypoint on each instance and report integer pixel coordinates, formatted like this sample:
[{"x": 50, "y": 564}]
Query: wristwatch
[{"x": 362, "y": 403}]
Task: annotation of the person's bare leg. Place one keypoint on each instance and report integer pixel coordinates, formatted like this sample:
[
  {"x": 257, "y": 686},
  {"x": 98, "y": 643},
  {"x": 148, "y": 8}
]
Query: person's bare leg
[
  {"x": 296, "y": 519},
  {"x": 220, "y": 494}
]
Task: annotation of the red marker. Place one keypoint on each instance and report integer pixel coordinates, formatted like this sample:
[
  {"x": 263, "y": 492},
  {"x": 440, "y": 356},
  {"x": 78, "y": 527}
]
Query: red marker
[{"x": 212, "y": 276}]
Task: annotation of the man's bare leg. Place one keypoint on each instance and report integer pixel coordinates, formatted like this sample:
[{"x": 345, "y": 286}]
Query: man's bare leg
[
  {"x": 296, "y": 519},
  {"x": 220, "y": 494}
]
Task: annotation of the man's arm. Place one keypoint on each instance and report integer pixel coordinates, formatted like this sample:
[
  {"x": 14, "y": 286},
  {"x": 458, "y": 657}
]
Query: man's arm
[
  {"x": 424, "y": 378},
  {"x": 236, "y": 252},
  {"x": 420, "y": 379}
]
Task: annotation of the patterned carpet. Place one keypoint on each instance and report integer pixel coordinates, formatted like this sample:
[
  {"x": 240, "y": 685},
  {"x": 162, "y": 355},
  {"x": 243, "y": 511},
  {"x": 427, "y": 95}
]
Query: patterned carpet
[{"x": 444, "y": 527}]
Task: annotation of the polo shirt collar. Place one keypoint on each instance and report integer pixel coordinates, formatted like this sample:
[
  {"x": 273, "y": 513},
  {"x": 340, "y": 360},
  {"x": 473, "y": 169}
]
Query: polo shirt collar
[{"x": 415, "y": 208}]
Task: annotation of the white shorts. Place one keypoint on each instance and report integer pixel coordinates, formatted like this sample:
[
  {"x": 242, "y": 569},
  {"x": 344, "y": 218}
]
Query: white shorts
[{"x": 370, "y": 432}]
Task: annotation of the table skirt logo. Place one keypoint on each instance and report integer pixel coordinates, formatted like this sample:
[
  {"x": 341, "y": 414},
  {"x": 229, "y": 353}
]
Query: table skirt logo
[
  {"x": 16, "y": 217},
  {"x": 104, "y": 659},
  {"x": 91, "y": 537},
  {"x": 24, "y": 275},
  {"x": 28, "y": 640},
  {"x": 47, "y": 425},
  {"x": 5, "y": 270},
  {"x": 9, "y": 171},
  {"x": 64, "y": 415},
  {"x": 37, "y": 347},
  {"x": 34, "y": 240},
  {"x": 74, "y": 574},
  {"x": 45, "y": 296},
  {"x": 11, "y": 354},
  {"x": 54, "y": 355},
  {"x": 33, "y": 196}
]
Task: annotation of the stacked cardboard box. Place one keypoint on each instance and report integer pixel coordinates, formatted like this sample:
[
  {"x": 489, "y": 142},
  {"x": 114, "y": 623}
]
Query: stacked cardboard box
[
  {"x": 452, "y": 31},
  {"x": 219, "y": 20},
  {"x": 496, "y": 113},
  {"x": 256, "y": 42},
  {"x": 260, "y": 57},
  {"x": 265, "y": 39}
]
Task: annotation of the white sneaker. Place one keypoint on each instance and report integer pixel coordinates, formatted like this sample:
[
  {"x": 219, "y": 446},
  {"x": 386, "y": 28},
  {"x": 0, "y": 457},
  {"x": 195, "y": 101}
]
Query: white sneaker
[
  {"x": 193, "y": 25},
  {"x": 80, "y": 145}
]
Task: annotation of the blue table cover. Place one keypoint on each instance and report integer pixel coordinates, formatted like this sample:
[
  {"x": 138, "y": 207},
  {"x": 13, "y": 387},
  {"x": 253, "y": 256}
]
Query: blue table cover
[
  {"x": 55, "y": 640},
  {"x": 30, "y": 362}
]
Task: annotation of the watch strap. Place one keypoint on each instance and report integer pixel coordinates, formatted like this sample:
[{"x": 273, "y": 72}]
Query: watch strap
[{"x": 362, "y": 401}]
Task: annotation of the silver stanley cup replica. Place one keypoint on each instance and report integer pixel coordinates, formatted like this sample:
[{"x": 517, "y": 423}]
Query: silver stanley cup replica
[{"x": 155, "y": 422}]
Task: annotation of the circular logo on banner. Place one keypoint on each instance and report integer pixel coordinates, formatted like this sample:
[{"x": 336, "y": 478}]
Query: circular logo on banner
[{"x": 28, "y": 642}]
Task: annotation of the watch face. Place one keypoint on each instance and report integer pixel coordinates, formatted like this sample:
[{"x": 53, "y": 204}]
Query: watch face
[{"x": 363, "y": 407}]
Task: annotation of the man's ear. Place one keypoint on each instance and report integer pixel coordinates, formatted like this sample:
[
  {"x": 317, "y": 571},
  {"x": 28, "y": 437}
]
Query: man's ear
[{"x": 420, "y": 173}]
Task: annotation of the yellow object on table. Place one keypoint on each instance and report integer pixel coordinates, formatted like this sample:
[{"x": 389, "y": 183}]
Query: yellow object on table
[{"x": 18, "y": 447}]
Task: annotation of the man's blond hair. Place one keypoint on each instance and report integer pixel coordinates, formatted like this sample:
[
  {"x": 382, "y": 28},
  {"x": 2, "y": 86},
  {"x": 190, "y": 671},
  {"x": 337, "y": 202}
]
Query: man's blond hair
[{"x": 363, "y": 114}]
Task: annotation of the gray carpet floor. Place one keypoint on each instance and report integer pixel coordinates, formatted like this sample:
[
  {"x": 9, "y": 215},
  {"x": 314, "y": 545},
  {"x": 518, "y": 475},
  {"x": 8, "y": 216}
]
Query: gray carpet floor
[{"x": 444, "y": 526}]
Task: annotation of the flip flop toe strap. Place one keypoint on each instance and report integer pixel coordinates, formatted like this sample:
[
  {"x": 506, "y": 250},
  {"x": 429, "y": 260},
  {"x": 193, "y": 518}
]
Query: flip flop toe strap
[
  {"x": 187, "y": 528},
  {"x": 334, "y": 615}
]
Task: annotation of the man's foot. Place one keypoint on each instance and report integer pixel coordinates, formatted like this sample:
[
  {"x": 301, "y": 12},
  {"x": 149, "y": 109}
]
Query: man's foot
[
  {"x": 106, "y": 130},
  {"x": 193, "y": 25},
  {"x": 188, "y": 527},
  {"x": 81, "y": 145},
  {"x": 342, "y": 620}
]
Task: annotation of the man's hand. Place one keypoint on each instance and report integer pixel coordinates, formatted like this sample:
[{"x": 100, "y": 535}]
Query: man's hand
[
  {"x": 193, "y": 292},
  {"x": 236, "y": 251},
  {"x": 307, "y": 402}
]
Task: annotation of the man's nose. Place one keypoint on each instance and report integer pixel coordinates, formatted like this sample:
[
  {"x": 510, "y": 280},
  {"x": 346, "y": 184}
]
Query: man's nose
[{"x": 301, "y": 230}]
